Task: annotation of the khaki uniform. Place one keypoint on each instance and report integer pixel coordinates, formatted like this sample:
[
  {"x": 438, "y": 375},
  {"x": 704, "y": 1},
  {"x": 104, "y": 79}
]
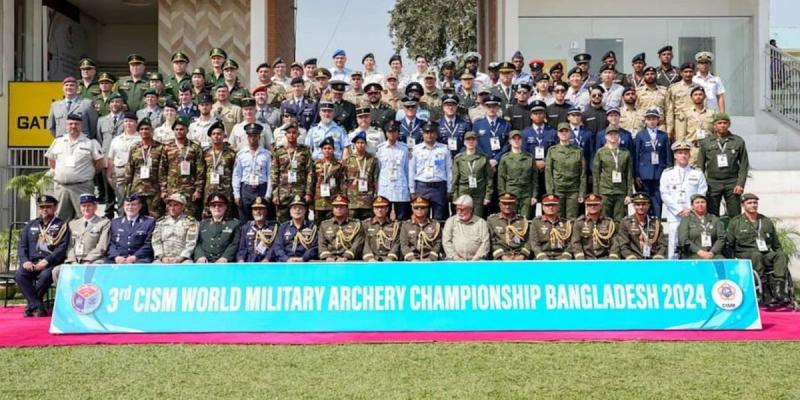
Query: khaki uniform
[
  {"x": 229, "y": 113},
  {"x": 89, "y": 240},
  {"x": 594, "y": 240},
  {"x": 698, "y": 125},
  {"x": 475, "y": 165},
  {"x": 631, "y": 119},
  {"x": 565, "y": 176},
  {"x": 680, "y": 101},
  {"x": 421, "y": 242},
  {"x": 74, "y": 172},
  {"x": 357, "y": 98},
  {"x": 393, "y": 99},
  {"x": 344, "y": 239},
  {"x": 382, "y": 240},
  {"x": 647, "y": 98},
  {"x": 433, "y": 101},
  {"x": 143, "y": 176},
  {"x": 361, "y": 180},
  {"x": 550, "y": 240},
  {"x": 175, "y": 237},
  {"x": 691, "y": 232},
  {"x": 641, "y": 242},
  {"x": 183, "y": 170},
  {"x": 198, "y": 132},
  {"x": 509, "y": 237}
]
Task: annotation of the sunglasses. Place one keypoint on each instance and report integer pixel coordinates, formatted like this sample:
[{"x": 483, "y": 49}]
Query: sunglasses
[{"x": 420, "y": 208}]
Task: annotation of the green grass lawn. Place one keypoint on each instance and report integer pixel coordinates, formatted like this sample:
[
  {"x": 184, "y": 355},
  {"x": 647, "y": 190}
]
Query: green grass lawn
[{"x": 624, "y": 370}]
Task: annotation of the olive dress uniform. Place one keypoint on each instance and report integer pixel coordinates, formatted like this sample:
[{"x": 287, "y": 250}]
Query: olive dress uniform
[
  {"x": 509, "y": 236},
  {"x": 217, "y": 239},
  {"x": 640, "y": 242},
  {"x": 517, "y": 174},
  {"x": 341, "y": 239},
  {"x": 613, "y": 179},
  {"x": 594, "y": 239},
  {"x": 421, "y": 241},
  {"x": 565, "y": 176},
  {"x": 382, "y": 238},
  {"x": 725, "y": 162},
  {"x": 550, "y": 240},
  {"x": 473, "y": 176},
  {"x": 695, "y": 234}
]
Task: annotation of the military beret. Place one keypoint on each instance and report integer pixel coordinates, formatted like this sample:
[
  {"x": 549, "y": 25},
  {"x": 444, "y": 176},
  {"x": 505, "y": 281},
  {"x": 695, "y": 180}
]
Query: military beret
[
  {"x": 649, "y": 68},
  {"x": 665, "y": 48},
  {"x": 326, "y": 105},
  {"x": 609, "y": 54},
  {"x": 472, "y": 56},
  {"x": 171, "y": 104},
  {"x": 470, "y": 135},
  {"x": 87, "y": 63},
  {"x": 592, "y": 198},
  {"x": 253, "y": 129},
  {"x": 392, "y": 126},
  {"x": 259, "y": 88},
  {"x": 176, "y": 197},
  {"x": 310, "y": 61},
  {"x": 517, "y": 56},
  {"x": 541, "y": 77},
  {"x": 135, "y": 59},
  {"x": 366, "y": 56},
  {"x": 185, "y": 87},
  {"x": 550, "y": 199},
  {"x": 133, "y": 197},
  {"x": 214, "y": 126},
  {"x": 681, "y": 145},
  {"x": 278, "y": 61},
  {"x": 180, "y": 57},
  {"x": 338, "y": 86},
  {"x": 248, "y": 102},
  {"x": 74, "y": 117},
  {"x": 629, "y": 89},
  {"x": 69, "y": 79},
  {"x": 638, "y": 58},
  {"x": 493, "y": 66},
  {"x": 575, "y": 70},
  {"x": 556, "y": 67},
  {"x": 46, "y": 200},
  {"x": 574, "y": 110},
  {"x": 359, "y": 136},
  {"x": 328, "y": 141},
  {"x": 296, "y": 81},
  {"x": 106, "y": 77},
  {"x": 155, "y": 76},
  {"x": 420, "y": 202},
  {"x": 687, "y": 65},
  {"x": 698, "y": 196},
  {"x": 492, "y": 100},
  {"x": 652, "y": 112},
  {"x": 395, "y": 57},
  {"x": 216, "y": 198},
  {"x": 356, "y": 73},
  {"x": 113, "y": 96},
  {"x": 229, "y": 63},
  {"x": 205, "y": 98},
  {"x": 216, "y": 51},
  {"x": 704, "y": 56},
  {"x": 721, "y": 116},
  {"x": 607, "y": 67},
  {"x": 144, "y": 122},
  {"x": 362, "y": 111},
  {"x": 430, "y": 126},
  {"x": 130, "y": 115},
  {"x": 563, "y": 126},
  {"x": 450, "y": 99},
  {"x": 199, "y": 71},
  {"x": 640, "y": 197},
  {"x": 749, "y": 196},
  {"x": 372, "y": 85},
  {"x": 695, "y": 88},
  {"x": 508, "y": 197},
  {"x": 380, "y": 201},
  {"x": 414, "y": 86},
  {"x": 87, "y": 198},
  {"x": 582, "y": 58},
  {"x": 181, "y": 120},
  {"x": 339, "y": 52},
  {"x": 259, "y": 202},
  {"x": 465, "y": 74},
  {"x": 506, "y": 66},
  {"x": 263, "y": 65},
  {"x": 297, "y": 200},
  {"x": 538, "y": 105},
  {"x": 514, "y": 133},
  {"x": 612, "y": 128},
  {"x": 322, "y": 73}
]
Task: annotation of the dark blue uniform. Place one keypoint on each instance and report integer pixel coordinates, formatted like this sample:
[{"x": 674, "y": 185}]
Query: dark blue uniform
[
  {"x": 287, "y": 244},
  {"x": 456, "y": 130},
  {"x": 648, "y": 169},
  {"x": 132, "y": 238},
  {"x": 34, "y": 284},
  {"x": 255, "y": 245},
  {"x": 191, "y": 111},
  {"x": 305, "y": 110},
  {"x": 413, "y": 129},
  {"x": 486, "y": 131}
]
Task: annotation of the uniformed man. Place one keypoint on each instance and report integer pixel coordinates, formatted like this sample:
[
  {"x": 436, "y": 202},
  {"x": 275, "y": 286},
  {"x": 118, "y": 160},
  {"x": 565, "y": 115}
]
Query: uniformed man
[
  {"x": 215, "y": 75},
  {"x": 550, "y": 234},
  {"x": 594, "y": 115},
  {"x": 700, "y": 235},
  {"x": 257, "y": 236},
  {"x": 370, "y": 73},
  {"x": 374, "y": 136},
  {"x": 101, "y": 101},
  {"x": 712, "y": 84},
  {"x": 341, "y": 238},
  {"x": 565, "y": 173},
  {"x": 612, "y": 91},
  {"x": 421, "y": 237},
  {"x": 492, "y": 131},
  {"x": 117, "y": 158},
  {"x": 72, "y": 104},
  {"x": 517, "y": 175},
  {"x": 380, "y": 112},
  {"x": 185, "y": 100},
  {"x": 163, "y": 133},
  {"x": 652, "y": 96},
  {"x": 612, "y": 171},
  {"x": 134, "y": 85},
  {"x": 89, "y": 236},
  {"x": 289, "y": 173},
  {"x": 698, "y": 123},
  {"x": 641, "y": 236},
  {"x": 583, "y": 61},
  {"x": 394, "y": 178},
  {"x": 381, "y": 233},
  {"x": 175, "y": 234},
  {"x": 88, "y": 87},
  {"x": 432, "y": 96},
  {"x": 593, "y": 234},
  {"x": 509, "y": 231},
  {"x": 344, "y": 112},
  {"x": 224, "y": 110},
  {"x": 630, "y": 116},
  {"x": 556, "y": 73},
  {"x": 431, "y": 168},
  {"x": 723, "y": 158},
  {"x": 73, "y": 159},
  {"x": 471, "y": 60},
  {"x": 156, "y": 81},
  {"x": 541, "y": 90},
  {"x": 199, "y": 84},
  {"x": 451, "y": 126},
  {"x": 752, "y": 236},
  {"x": 183, "y": 168},
  {"x": 42, "y": 246},
  {"x": 667, "y": 73},
  {"x": 635, "y": 79},
  {"x": 325, "y": 181},
  {"x": 320, "y": 88},
  {"x": 326, "y": 128},
  {"x": 356, "y": 94},
  {"x": 392, "y": 95},
  {"x": 268, "y": 114},
  {"x": 198, "y": 129},
  {"x": 678, "y": 185},
  {"x": 610, "y": 59},
  {"x": 218, "y": 240},
  {"x": 180, "y": 62},
  {"x": 467, "y": 93},
  {"x": 143, "y": 171},
  {"x": 652, "y": 156},
  {"x": 297, "y": 238},
  {"x": 410, "y": 124},
  {"x": 150, "y": 109},
  {"x": 109, "y": 127},
  {"x": 625, "y": 137},
  {"x": 466, "y": 236},
  {"x": 360, "y": 178},
  {"x": 279, "y": 134},
  {"x": 304, "y": 108},
  {"x": 680, "y": 102},
  {"x": 557, "y": 112},
  {"x": 251, "y": 172},
  {"x": 473, "y": 175},
  {"x": 577, "y": 94},
  {"x": 236, "y": 92},
  {"x": 238, "y": 137},
  {"x": 519, "y": 110},
  {"x": 219, "y": 162},
  {"x": 279, "y": 73},
  {"x": 131, "y": 234}
]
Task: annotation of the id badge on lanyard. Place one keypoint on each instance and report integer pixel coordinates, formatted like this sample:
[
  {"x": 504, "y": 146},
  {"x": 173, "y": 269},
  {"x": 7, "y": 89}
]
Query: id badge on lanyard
[{"x": 539, "y": 153}]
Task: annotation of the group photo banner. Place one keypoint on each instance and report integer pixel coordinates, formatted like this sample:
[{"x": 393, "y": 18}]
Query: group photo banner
[{"x": 407, "y": 296}]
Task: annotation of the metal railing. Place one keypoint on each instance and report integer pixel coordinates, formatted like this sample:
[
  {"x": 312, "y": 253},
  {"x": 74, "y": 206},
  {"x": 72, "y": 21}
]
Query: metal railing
[{"x": 783, "y": 85}]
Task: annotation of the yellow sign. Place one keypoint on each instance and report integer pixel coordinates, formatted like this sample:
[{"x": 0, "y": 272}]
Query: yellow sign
[{"x": 28, "y": 107}]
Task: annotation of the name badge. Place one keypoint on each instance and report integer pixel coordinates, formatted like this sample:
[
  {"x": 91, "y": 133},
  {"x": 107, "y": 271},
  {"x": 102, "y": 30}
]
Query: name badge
[
  {"x": 452, "y": 144},
  {"x": 473, "y": 182},
  {"x": 762, "y": 245},
  {"x": 261, "y": 248},
  {"x": 410, "y": 141},
  {"x": 214, "y": 178},
  {"x": 292, "y": 176},
  {"x": 324, "y": 190},
  {"x": 144, "y": 172},
  {"x": 186, "y": 168},
  {"x": 362, "y": 185},
  {"x": 495, "y": 142},
  {"x": 252, "y": 180},
  {"x": 429, "y": 169},
  {"x": 705, "y": 240},
  {"x": 654, "y": 158},
  {"x": 332, "y": 181},
  {"x": 701, "y": 134},
  {"x": 616, "y": 177},
  {"x": 294, "y": 164},
  {"x": 393, "y": 174},
  {"x": 68, "y": 161},
  {"x": 79, "y": 250},
  {"x": 722, "y": 160},
  {"x": 646, "y": 250},
  {"x": 538, "y": 152}
]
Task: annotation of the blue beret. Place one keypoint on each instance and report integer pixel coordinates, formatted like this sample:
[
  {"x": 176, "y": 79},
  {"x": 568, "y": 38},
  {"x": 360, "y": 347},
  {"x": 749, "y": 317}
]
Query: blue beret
[
  {"x": 360, "y": 135},
  {"x": 339, "y": 52},
  {"x": 133, "y": 197}
]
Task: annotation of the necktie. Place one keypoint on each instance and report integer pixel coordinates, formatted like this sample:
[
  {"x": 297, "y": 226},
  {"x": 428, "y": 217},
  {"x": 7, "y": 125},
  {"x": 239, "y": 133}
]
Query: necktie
[
  {"x": 539, "y": 131},
  {"x": 69, "y": 105},
  {"x": 491, "y": 124},
  {"x": 115, "y": 120},
  {"x": 261, "y": 116},
  {"x": 186, "y": 111}
]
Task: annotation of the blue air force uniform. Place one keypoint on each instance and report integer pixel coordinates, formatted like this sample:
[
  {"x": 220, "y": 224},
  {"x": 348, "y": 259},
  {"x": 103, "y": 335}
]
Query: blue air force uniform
[
  {"x": 454, "y": 129},
  {"x": 132, "y": 238},
  {"x": 648, "y": 167},
  {"x": 487, "y": 130},
  {"x": 305, "y": 110},
  {"x": 411, "y": 129}
]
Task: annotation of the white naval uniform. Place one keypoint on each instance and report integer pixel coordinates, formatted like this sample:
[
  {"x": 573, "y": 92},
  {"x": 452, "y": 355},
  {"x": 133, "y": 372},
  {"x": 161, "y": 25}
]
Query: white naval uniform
[{"x": 677, "y": 186}]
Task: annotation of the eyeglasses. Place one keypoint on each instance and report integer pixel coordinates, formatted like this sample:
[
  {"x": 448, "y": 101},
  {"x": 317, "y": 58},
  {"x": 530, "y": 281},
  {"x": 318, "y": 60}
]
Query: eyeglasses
[
  {"x": 371, "y": 93},
  {"x": 597, "y": 95},
  {"x": 420, "y": 208}
]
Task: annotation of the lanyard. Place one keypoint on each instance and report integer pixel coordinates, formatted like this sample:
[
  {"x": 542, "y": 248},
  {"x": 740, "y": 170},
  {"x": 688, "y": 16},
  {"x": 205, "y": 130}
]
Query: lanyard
[
  {"x": 146, "y": 155},
  {"x": 452, "y": 131},
  {"x": 471, "y": 166},
  {"x": 253, "y": 165},
  {"x": 362, "y": 169},
  {"x": 326, "y": 170},
  {"x": 615, "y": 155},
  {"x": 292, "y": 162},
  {"x": 496, "y": 127},
  {"x": 214, "y": 159},
  {"x": 721, "y": 146}
]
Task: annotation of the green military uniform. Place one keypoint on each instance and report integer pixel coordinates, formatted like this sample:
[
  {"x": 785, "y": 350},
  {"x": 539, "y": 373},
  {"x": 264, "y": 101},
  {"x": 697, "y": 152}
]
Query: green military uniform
[
  {"x": 381, "y": 242},
  {"x": 433, "y": 103},
  {"x": 725, "y": 163},
  {"x": 101, "y": 104},
  {"x": 238, "y": 93},
  {"x": 473, "y": 165},
  {"x": 565, "y": 176},
  {"x": 594, "y": 239},
  {"x": 344, "y": 239},
  {"x": 325, "y": 175},
  {"x": 517, "y": 174},
  {"x": 219, "y": 173},
  {"x": 695, "y": 234},
  {"x": 758, "y": 242},
  {"x": 613, "y": 179},
  {"x": 641, "y": 242},
  {"x": 91, "y": 90},
  {"x": 509, "y": 236},
  {"x": 217, "y": 239},
  {"x": 550, "y": 240},
  {"x": 132, "y": 89},
  {"x": 178, "y": 177},
  {"x": 143, "y": 176},
  {"x": 381, "y": 114},
  {"x": 289, "y": 175},
  {"x": 174, "y": 82},
  {"x": 361, "y": 184},
  {"x": 421, "y": 241}
]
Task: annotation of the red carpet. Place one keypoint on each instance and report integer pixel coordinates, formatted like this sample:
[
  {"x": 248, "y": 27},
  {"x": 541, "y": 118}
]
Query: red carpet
[{"x": 16, "y": 331}]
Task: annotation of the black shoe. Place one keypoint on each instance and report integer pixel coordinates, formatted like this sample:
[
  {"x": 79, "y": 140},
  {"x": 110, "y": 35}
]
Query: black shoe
[
  {"x": 28, "y": 312},
  {"x": 41, "y": 312}
]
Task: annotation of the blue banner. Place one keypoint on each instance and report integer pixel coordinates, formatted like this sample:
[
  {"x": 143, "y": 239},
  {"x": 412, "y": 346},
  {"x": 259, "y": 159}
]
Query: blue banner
[{"x": 406, "y": 296}]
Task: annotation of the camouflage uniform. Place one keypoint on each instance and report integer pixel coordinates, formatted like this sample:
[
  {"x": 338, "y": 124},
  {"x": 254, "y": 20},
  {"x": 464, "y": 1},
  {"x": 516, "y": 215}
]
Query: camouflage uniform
[
  {"x": 550, "y": 240},
  {"x": 223, "y": 169},
  {"x": 276, "y": 94},
  {"x": 322, "y": 174},
  {"x": 509, "y": 237},
  {"x": 148, "y": 188},
  {"x": 344, "y": 239},
  {"x": 631, "y": 239},
  {"x": 421, "y": 242},
  {"x": 357, "y": 98},
  {"x": 173, "y": 181},
  {"x": 173, "y": 84},
  {"x": 433, "y": 103},
  {"x": 175, "y": 237},
  {"x": 282, "y": 189},
  {"x": 381, "y": 242},
  {"x": 361, "y": 201},
  {"x": 393, "y": 99},
  {"x": 593, "y": 240}
]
